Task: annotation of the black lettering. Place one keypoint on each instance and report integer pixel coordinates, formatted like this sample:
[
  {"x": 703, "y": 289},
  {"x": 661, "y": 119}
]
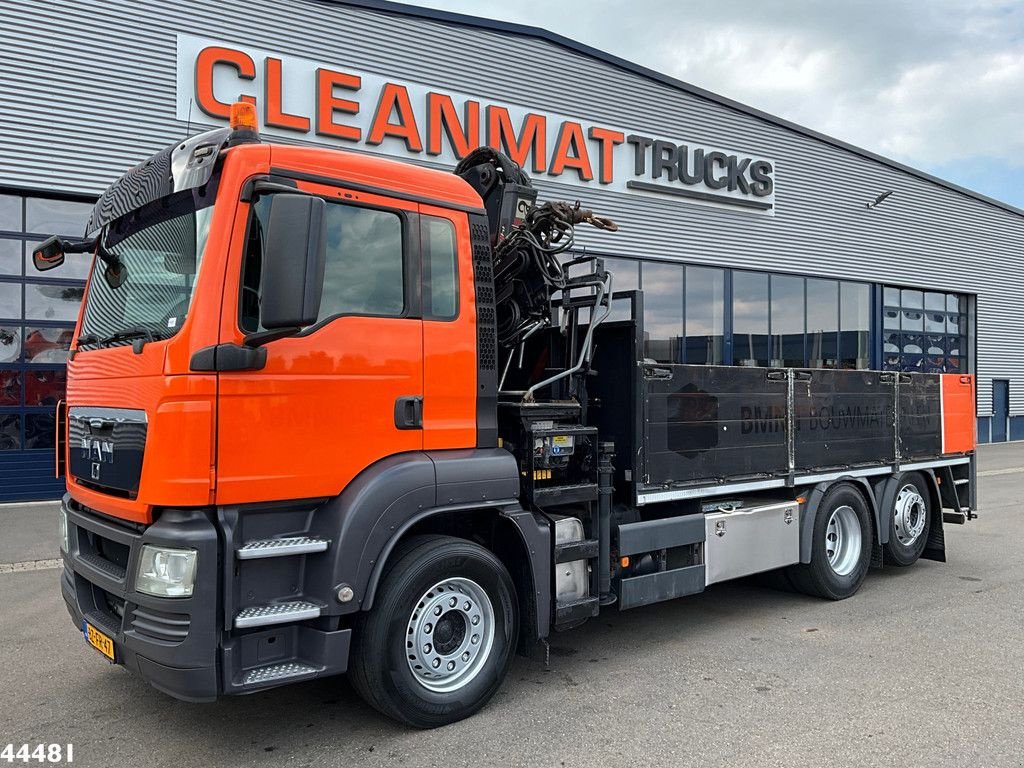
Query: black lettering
[
  {"x": 710, "y": 161},
  {"x": 640, "y": 145},
  {"x": 746, "y": 420},
  {"x": 762, "y": 183},
  {"x": 737, "y": 177},
  {"x": 685, "y": 176},
  {"x": 664, "y": 157}
]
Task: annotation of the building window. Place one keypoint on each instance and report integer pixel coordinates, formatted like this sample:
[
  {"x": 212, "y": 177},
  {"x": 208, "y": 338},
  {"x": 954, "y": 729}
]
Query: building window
[
  {"x": 923, "y": 331},
  {"x": 787, "y": 321},
  {"x": 37, "y": 316},
  {"x": 822, "y": 323},
  {"x": 705, "y": 315},
  {"x": 750, "y": 318},
  {"x": 663, "y": 311},
  {"x": 625, "y": 277},
  {"x": 854, "y": 325}
]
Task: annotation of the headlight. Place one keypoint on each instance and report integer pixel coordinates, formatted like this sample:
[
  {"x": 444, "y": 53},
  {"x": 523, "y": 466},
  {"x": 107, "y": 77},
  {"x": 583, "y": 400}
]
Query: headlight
[
  {"x": 166, "y": 572},
  {"x": 65, "y": 533}
]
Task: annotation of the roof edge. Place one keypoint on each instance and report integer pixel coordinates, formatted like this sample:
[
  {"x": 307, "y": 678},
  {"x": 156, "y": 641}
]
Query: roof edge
[{"x": 524, "y": 30}]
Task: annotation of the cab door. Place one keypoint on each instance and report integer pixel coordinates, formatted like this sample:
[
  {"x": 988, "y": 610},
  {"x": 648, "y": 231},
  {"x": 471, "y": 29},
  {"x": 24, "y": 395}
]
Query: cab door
[
  {"x": 449, "y": 330},
  {"x": 345, "y": 392}
]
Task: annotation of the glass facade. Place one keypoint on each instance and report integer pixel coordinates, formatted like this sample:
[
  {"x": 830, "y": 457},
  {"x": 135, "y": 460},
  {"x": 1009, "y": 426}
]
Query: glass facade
[
  {"x": 923, "y": 331},
  {"x": 37, "y": 316},
  {"x": 692, "y": 314}
]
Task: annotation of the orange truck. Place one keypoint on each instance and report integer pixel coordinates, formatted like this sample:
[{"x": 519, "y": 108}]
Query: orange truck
[{"x": 331, "y": 413}]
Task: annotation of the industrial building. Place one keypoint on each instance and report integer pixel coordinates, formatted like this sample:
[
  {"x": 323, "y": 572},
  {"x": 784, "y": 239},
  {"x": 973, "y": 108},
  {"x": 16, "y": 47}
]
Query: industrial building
[{"x": 756, "y": 241}]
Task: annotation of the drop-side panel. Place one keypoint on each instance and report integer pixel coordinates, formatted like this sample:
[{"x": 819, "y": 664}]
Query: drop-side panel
[
  {"x": 705, "y": 423},
  {"x": 920, "y": 415},
  {"x": 843, "y": 418}
]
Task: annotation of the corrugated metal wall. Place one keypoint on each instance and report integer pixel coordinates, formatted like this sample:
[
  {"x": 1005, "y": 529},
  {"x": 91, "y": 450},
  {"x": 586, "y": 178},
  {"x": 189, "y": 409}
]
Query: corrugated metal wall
[{"x": 89, "y": 89}]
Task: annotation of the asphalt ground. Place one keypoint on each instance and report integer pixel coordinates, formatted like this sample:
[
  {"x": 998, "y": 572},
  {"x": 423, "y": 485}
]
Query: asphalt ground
[{"x": 923, "y": 667}]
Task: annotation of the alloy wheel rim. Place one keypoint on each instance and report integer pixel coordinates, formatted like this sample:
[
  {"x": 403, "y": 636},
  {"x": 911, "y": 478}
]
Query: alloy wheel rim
[
  {"x": 450, "y": 634},
  {"x": 909, "y": 515},
  {"x": 843, "y": 540}
]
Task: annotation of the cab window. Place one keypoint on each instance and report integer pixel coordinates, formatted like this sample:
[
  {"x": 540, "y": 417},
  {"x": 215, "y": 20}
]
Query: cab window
[
  {"x": 440, "y": 275},
  {"x": 364, "y": 273}
]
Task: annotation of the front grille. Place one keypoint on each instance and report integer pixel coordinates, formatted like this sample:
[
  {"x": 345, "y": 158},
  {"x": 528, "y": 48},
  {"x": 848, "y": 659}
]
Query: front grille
[{"x": 158, "y": 625}]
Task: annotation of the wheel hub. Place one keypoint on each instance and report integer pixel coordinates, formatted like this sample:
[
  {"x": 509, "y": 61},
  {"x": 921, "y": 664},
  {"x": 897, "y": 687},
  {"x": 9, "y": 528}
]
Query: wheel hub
[
  {"x": 450, "y": 634},
  {"x": 843, "y": 540},
  {"x": 909, "y": 515}
]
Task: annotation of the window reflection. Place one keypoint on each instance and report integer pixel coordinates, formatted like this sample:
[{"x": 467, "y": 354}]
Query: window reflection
[
  {"x": 56, "y": 217},
  {"x": 750, "y": 318},
  {"x": 10, "y": 430},
  {"x": 52, "y": 302},
  {"x": 10, "y": 300},
  {"x": 10, "y": 387},
  {"x": 39, "y": 431},
  {"x": 10, "y": 256},
  {"x": 822, "y": 323},
  {"x": 855, "y": 326},
  {"x": 44, "y": 387},
  {"x": 705, "y": 315},
  {"x": 787, "y": 321},
  {"x": 10, "y": 213},
  {"x": 626, "y": 277},
  {"x": 10, "y": 343},
  {"x": 663, "y": 311},
  {"x": 47, "y": 345}
]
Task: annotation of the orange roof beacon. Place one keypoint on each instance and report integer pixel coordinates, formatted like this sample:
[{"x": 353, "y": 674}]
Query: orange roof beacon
[{"x": 330, "y": 413}]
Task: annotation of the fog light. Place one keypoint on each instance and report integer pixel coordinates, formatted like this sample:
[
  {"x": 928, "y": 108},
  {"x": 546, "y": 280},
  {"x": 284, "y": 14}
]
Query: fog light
[
  {"x": 65, "y": 533},
  {"x": 166, "y": 572}
]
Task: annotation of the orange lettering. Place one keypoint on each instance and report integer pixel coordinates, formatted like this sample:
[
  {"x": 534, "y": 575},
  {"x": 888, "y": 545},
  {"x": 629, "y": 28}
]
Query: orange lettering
[
  {"x": 570, "y": 137},
  {"x": 502, "y": 137},
  {"x": 395, "y": 98},
  {"x": 274, "y": 114},
  {"x": 441, "y": 115},
  {"x": 608, "y": 139},
  {"x": 207, "y": 60},
  {"x": 327, "y": 104}
]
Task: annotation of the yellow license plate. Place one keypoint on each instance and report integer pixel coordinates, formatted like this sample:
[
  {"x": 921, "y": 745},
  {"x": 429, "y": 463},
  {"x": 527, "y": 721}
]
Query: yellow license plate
[{"x": 99, "y": 641}]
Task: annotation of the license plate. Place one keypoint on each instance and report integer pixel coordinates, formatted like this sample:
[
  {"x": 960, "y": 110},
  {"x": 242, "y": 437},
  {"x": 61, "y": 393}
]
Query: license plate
[{"x": 99, "y": 641}]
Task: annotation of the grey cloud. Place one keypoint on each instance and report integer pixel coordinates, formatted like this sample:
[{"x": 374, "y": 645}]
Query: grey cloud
[{"x": 919, "y": 81}]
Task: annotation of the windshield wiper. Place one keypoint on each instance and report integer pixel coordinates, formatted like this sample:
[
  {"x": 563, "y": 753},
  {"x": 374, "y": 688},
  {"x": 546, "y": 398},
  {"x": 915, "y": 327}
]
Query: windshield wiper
[
  {"x": 88, "y": 338},
  {"x": 139, "y": 332}
]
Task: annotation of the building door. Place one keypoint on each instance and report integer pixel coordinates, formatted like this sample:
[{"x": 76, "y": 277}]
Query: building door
[{"x": 1000, "y": 409}]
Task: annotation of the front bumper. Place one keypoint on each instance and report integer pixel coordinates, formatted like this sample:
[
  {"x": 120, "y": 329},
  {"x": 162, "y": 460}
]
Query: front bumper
[
  {"x": 187, "y": 647},
  {"x": 171, "y": 642}
]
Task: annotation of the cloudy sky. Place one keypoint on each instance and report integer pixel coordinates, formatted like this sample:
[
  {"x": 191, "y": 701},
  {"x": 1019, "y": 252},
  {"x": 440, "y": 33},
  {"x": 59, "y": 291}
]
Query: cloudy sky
[{"x": 936, "y": 84}]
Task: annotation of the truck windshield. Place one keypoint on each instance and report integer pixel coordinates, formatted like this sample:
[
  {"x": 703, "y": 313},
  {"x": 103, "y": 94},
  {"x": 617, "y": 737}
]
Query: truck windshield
[{"x": 161, "y": 246}]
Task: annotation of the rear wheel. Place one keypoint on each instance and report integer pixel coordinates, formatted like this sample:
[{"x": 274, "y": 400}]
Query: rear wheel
[
  {"x": 909, "y": 523},
  {"x": 840, "y": 547},
  {"x": 440, "y": 638}
]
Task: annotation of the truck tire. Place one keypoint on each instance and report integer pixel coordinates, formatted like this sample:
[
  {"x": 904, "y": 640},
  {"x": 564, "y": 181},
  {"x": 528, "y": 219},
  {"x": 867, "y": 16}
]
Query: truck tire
[
  {"x": 441, "y": 635},
  {"x": 840, "y": 546},
  {"x": 909, "y": 523}
]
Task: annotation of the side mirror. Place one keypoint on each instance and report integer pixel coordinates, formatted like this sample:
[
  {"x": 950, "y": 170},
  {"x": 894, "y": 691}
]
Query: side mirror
[
  {"x": 48, "y": 254},
  {"x": 293, "y": 262}
]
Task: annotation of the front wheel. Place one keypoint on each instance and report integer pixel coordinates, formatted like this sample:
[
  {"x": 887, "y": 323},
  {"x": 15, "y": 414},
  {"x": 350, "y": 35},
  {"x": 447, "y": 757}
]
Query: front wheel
[
  {"x": 840, "y": 546},
  {"x": 441, "y": 635}
]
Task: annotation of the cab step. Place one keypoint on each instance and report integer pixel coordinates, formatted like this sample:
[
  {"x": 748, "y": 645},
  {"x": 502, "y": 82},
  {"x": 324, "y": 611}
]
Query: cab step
[
  {"x": 276, "y": 613},
  {"x": 292, "y": 545},
  {"x": 280, "y": 672}
]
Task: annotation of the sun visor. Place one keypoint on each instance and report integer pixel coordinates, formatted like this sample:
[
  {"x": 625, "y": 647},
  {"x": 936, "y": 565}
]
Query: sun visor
[{"x": 186, "y": 165}]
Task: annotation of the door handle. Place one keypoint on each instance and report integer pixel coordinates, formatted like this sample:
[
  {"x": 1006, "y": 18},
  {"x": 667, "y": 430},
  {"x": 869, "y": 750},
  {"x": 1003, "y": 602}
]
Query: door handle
[{"x": 409, "y": 412}]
